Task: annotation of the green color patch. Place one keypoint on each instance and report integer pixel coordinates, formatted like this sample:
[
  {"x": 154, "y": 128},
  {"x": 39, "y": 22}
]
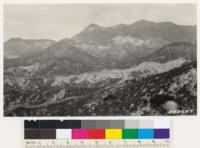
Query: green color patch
[{"x": 130, "y": 134}]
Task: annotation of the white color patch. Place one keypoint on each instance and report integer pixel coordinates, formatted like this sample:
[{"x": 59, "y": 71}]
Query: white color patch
[
  {"x": 161, "y": 123},
  {"x": 63, "y": 134}
]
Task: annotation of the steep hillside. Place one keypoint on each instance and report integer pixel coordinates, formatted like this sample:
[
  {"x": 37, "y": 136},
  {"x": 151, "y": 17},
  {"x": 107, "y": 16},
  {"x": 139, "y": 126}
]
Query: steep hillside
[{"x": 150, "y": 95}]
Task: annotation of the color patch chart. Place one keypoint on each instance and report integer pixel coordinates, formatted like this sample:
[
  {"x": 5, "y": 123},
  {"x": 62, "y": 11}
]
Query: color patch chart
[{"x": 97, "y": 133}]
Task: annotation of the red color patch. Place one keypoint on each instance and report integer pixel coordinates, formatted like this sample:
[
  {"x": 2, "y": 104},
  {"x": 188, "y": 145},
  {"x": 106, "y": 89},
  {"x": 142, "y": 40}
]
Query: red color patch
[{"x": 96, "y": 133}]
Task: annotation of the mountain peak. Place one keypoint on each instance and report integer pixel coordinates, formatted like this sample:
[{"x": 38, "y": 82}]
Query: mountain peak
[{"x": 93, "y": 25}]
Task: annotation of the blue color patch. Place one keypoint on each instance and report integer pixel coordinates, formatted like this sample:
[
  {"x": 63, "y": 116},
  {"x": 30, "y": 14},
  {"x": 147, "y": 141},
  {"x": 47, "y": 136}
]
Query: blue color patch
[{"x": 145, "y": 133}]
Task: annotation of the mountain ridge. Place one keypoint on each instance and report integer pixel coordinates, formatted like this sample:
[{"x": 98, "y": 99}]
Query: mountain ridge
[{"x": 17, "y": 47}]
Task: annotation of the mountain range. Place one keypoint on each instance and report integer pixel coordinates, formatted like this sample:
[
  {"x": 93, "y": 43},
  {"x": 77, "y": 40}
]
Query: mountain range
[{"x": 99, "y": 64}]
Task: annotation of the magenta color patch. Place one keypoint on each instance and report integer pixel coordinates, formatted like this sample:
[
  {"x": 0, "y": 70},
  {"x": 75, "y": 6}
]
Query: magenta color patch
[{"x": 80, "y": 134}]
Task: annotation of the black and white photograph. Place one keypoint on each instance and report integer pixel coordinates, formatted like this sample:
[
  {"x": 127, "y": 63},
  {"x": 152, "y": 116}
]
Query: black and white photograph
[{"x": 100, "y": 59}]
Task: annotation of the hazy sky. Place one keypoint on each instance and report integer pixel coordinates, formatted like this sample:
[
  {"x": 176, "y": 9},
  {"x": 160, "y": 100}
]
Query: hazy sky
[{"x": 65, "y": 20}]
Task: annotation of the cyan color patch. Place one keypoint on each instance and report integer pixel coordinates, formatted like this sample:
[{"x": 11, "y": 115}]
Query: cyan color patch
[{"x": 145, "y": 133}]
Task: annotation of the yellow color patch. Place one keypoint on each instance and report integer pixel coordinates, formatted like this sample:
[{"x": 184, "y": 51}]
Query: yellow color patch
[{"x": 113, "y": 134}]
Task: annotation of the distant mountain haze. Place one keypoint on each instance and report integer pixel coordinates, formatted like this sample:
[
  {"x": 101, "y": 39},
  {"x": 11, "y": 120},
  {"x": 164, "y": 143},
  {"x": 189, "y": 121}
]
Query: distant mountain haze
[{"x": 17, "y": 47}]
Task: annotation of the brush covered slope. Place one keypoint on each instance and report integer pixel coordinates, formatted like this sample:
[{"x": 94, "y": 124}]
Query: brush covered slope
[
  {"x": 144, "y": 68},
  {"x": 149, "y": 95}
]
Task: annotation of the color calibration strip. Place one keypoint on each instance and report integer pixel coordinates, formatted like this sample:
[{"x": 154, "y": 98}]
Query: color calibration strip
[{"x": 97, "y": 129}]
